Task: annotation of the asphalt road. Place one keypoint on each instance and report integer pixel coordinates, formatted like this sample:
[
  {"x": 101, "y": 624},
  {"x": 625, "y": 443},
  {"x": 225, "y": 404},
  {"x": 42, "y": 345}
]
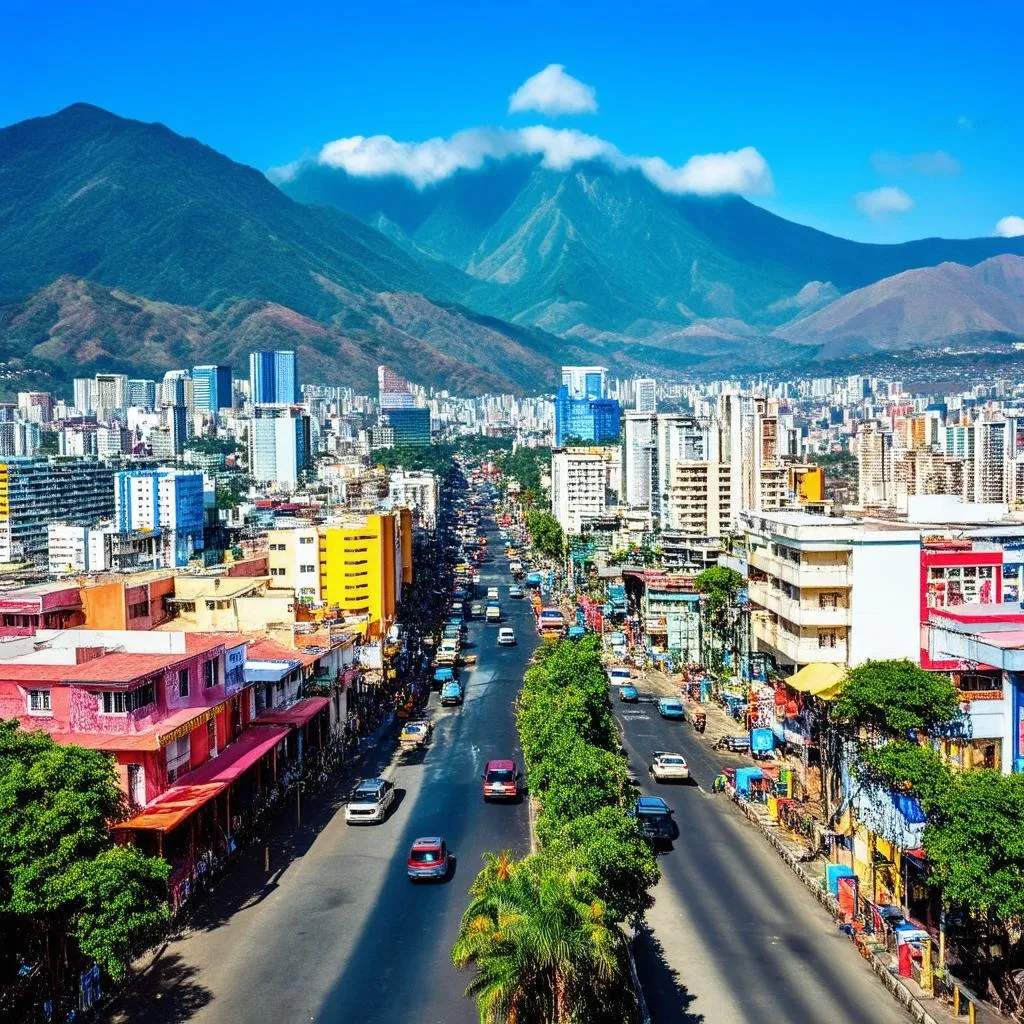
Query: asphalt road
[
  {"x": 734, "y": 937},
  {"x": 339, "y": 933}
]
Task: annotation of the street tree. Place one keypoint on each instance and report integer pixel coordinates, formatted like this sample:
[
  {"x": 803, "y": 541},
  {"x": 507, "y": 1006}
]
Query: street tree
[
  {"x": 72, "y": 895},
  {"x": 545, "y": 533}
]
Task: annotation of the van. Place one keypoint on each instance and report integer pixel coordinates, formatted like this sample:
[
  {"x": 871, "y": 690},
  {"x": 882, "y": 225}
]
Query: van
[{"x": 494, "y": 612}]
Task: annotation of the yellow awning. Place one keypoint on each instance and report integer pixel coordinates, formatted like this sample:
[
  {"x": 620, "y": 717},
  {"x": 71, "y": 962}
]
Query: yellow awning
[{"x": 819, "y": 679}]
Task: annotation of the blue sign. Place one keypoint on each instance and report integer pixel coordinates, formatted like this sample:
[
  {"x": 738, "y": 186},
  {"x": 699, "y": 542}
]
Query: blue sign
[{"x": 762, "y": 741}]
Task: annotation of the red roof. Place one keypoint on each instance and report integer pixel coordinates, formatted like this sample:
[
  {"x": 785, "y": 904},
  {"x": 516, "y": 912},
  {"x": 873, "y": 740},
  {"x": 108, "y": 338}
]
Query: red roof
[
  {"x": 239, "y": 756},
  {"x": 200, "y": 643},
  {"x": 271, "y": 650},
  {"x": 298, "y": 714},
  {"x": 120, "y": 667}
]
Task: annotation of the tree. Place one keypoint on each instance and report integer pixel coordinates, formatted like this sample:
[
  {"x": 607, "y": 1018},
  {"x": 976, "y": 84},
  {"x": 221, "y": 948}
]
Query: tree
[
  {"x": 66, "y": 886},
  {"x": 543, "y": 950},
  {"x": 545, "y": 533},
  {"x": 895, "y": 696},
  {"x": 719, "y": 587}
]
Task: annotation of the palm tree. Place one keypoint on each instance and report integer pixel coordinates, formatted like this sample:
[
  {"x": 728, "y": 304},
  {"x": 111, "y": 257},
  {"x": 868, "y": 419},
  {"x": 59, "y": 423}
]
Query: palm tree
[{"x": 544, "y": 951}]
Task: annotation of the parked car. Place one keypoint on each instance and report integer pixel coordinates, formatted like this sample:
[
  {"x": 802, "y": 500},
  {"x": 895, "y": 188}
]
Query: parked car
[
  {"x": 443, "y": 675},
  {"x": 501, "y": 780},
  {"x": 451, "y": 693},
  {"x": 428, "y": 858},
  {"x": 369, "y": 802},
  {"x": 669, "y": 707},
  {"x": 669, "y": 767},
  {"x": 654, "y": 817},
  {"x": 628, "y": 694},
  {"x": 492, "y": 593}
]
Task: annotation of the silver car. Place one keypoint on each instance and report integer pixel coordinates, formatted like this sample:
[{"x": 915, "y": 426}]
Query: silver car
[
  {"x": 369, "y": 802},
  {"x": 669, "y": 766}
]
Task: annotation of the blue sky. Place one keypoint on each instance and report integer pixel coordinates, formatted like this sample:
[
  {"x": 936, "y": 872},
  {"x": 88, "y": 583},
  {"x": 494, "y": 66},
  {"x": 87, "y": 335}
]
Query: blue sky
[{"x": 922, "y": 100}]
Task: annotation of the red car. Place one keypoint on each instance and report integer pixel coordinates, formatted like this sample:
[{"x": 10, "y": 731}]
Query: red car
[
  {"x": 501, "y": 780},
  {"x": 428, "y": 858}
]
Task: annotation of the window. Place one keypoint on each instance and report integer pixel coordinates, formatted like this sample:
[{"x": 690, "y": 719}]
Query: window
[
  {"x": 307, "y": 568},
  {"x": 305, "y": 540},
  {"x": 121, "y": 702},
  {"x": 826, "y": 639},
  {"x": 183, "y": 682},
  {"x": 210, "y": 673},
  {"x": 39, "y": 701}
]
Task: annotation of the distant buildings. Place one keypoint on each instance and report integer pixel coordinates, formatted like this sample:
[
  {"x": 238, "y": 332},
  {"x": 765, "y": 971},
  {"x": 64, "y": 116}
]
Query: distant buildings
[
  {"x": 211, "y": 388},
  {"x": 410, "y": 426},
  {"x": 273, "y": 378},
  {"x": 142, "y": 394},
  {"x": 393, "y": 391},
  {"x": 646, "y": 394}
]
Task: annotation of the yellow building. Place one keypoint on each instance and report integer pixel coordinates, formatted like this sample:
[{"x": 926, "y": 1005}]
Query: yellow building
[
  {"x": 807, "y": 483},
  {"x": 357, "y": 567}
]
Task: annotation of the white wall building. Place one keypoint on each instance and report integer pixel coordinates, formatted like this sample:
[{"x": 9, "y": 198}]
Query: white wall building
[
  {"x": 579, "y": 489},
  {"x": 640, "y": 461},
  {"x": 646, "y": 394},
  {"x": 279, "y": 444}
]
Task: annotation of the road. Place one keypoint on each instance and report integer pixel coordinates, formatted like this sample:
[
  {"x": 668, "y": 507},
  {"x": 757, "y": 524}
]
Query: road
[
  {"x": 735, "y": 937},
  {"x": 341, "y": 934}
]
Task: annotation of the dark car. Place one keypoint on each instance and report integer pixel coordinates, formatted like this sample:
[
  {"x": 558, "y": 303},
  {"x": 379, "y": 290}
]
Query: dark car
[{"x": 654, "y": 817}]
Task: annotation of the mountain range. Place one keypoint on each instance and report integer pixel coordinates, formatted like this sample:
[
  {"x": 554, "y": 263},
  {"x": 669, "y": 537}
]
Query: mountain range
[{"x": 125, "y": 244}]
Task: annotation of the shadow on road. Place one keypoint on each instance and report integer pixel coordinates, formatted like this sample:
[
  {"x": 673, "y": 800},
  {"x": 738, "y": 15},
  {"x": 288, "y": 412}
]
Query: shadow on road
[
  {"x": 166, "y": 993},
  {"x": 668, "y": 1000}
]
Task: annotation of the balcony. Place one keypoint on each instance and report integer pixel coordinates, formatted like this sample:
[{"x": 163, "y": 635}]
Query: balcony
[
  {"x": 800, "y": 574},
  {"x": 801, "y": 650},
  {"x": 800, "y": 613}
]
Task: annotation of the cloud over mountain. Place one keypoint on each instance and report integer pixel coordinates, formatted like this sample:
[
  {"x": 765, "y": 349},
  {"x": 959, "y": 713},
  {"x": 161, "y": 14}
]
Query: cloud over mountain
[
  {"x": 744, "y": 171},
  {"x": 882, "y": 202},
  {"x": 553, "y": 92},
  {"x": 1009, "y": 227}
]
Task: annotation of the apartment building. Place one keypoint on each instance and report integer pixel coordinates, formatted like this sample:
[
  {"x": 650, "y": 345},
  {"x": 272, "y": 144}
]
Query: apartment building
[
  {"x": 875, "y": 469},
  {"x": 832, "y": 590},
  {"x": 36, "y": 492},
  {"x": 165, "y": 501},
  {"x": 640, "y": 461},
  {"x": 700, "y": 499},
  {"x": 579, "y": 486},
  {"x": 279, "y": 444}
]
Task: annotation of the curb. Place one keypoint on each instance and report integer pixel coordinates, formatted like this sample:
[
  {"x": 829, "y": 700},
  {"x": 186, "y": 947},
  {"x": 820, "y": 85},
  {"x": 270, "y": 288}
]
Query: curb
[
  {"x": 645, "y": 1013},
  {"x": 896, "y": 989}
]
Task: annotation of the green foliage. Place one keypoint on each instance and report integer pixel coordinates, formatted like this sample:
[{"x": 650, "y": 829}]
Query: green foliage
[
  {"x": 895, "y": 696},
  {"x": 526, "y": 465},
  {"x": 212, "y": 445},
  {"x": 545, "y": 533},
  {"x": 544, "y": 949},
  {"x": 64, "y": 879},
  {"x": 231, "y": 490},
  {"x": 908, "y": 766}
]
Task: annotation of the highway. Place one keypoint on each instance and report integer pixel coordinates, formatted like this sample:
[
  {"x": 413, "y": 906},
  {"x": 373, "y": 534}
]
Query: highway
[
  {"x": 734, "y": 935},
  {"x": 340, "y": 934}
]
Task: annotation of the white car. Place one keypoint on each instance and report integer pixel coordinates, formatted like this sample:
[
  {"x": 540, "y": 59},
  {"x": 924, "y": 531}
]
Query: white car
[
  {"x": 369, "y": 802},
  {"x": 668, "y": 767},
  {"x": 506, "y": 637}
]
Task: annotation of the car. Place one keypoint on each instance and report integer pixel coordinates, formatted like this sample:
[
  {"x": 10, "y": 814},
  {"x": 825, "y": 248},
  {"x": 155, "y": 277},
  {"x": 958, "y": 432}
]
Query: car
[
  {"x": 501, "y": 780},
  {"x": 515, "y": 591},
  {"x": 415, "y": 735},
  {"x": 628, "y": 694},
  {"x": 429, "y": 857},
  {"x": 506, "y": 637},
  {"x": 451, "y": 693},
  {"x": 442, "y": 675},
  {"x": 493, "y": 613},
  {"x": 492, "y": 593},
  {"x": 669, "y": 707},
  {"x": 654, "y": 817},
  {"x": 668, "y": 766},
  {"x": 369, "y": 802},
  {"x": 476, "y": 610}
]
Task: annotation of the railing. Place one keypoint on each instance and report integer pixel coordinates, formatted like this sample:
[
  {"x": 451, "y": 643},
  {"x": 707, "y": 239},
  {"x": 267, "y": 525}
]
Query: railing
[{"x": 797, "y": 611}]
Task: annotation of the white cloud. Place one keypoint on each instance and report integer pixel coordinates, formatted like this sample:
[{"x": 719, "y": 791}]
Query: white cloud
[
  {"x": 937, "y": 164},
  {"x": 882, "y": 202},
  {"x": 553, "y": 92},
  {"x": 1010, "y": 227},
  {"x": 426, "y": 163}
]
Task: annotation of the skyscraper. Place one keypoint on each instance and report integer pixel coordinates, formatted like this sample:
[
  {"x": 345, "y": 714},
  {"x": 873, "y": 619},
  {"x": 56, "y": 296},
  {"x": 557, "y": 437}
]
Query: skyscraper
[
  {"x": 584, "y": 381},
  {"x": 411, "y": 426},
  {"x": 393, "y": 390},
  {"x": 142, "y": 393},
  {"x": 165, "y": 500},
  {"x": 273, "y": 378},
  {"x": 646, "y": 394},
  {"x": 211, "y": 388},
  {"x": 279, "y": 445}
]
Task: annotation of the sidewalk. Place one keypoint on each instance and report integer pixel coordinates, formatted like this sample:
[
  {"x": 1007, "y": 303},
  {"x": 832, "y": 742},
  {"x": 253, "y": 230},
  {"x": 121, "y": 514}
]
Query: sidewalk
[{"x": 922, "y": 1007}]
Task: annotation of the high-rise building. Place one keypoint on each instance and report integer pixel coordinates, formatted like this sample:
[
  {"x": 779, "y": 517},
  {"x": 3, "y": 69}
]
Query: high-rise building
[
  {"x": 211, "y": 388},
  {"x": 640, "y": 460},
  {"x": 177, "y": 424},
  {"x": 646, "y": 394},
  {"x": 35, "y": 406},
  {"x": 410, "y": 426},
  {"x": 111, "y": 395},
  {"x": 875, "y": 470},
  {"x": 85, "y": 395},
  {"x": 584, "y": 419},
  {"x": 393, "y": 391},
  {"x": 579, "y": 487},
  {"x": 585, "y": 381},
  {"x": 167, "y": 500},
  {"x": 142, "y": 394},
  {"x": 274, "y": 378},
  {"x": 681, "y": 438},
  {"x": 35, "y": 492},
  {"x": 279, "y": 444}
]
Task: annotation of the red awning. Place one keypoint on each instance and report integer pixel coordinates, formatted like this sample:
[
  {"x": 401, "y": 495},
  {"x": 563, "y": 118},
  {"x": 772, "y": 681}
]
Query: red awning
[
  {"x": 297, "y": 715},
  {"x": 917, "y": 853},
  {"x": 168, "y": 811},
  {"x": 235, "y": 759}
]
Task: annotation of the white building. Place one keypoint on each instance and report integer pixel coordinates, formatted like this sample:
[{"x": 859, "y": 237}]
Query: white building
[
  {"x": 832, "y": 590},
  {"x": 579, "y": 487},
  {"x": 416, "y": 489},
  {"x": 279, "y": 444},
  {"x": 646, "y": 394},
  {"x": 585, "y": 381},
  {"x": 640, "y": 461},
  {"x": 293, "y": 561},
  {"x": 166, "y": 501}
]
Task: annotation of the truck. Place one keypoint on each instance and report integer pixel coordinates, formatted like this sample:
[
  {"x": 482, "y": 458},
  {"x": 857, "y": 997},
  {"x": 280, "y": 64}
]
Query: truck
[
  {"x": 551, "y": 623},
  {"x": 493, "y": 612}
]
